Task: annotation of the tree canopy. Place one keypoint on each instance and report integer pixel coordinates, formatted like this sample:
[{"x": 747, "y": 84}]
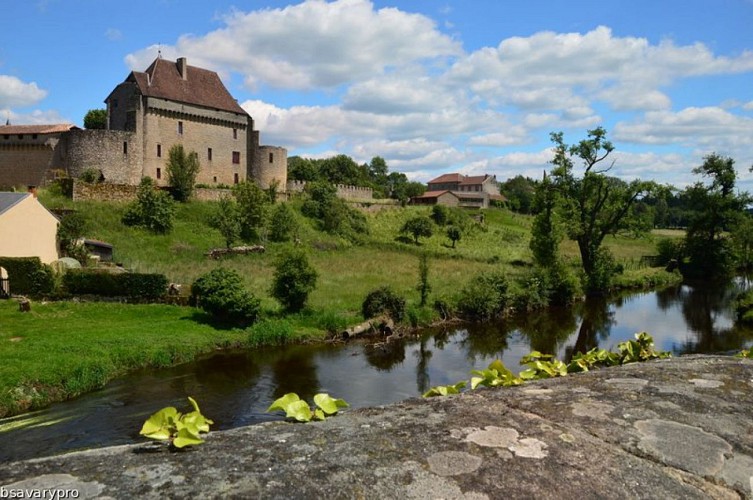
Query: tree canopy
[
  {"x": 182, "y": 168},
  {"x": 95, "y": 119}
]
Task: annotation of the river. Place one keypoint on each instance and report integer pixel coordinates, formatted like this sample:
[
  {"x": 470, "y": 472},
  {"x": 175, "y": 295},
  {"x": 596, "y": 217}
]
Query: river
[{"x": 234, "y": 388}]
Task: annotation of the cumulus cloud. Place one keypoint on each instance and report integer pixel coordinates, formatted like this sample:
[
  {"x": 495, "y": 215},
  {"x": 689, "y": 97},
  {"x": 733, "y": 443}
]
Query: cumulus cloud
[
  {"x": 15, "y": 93},
  {"x": 313, "y": 44},
  {"x": 36, "y": 117}
]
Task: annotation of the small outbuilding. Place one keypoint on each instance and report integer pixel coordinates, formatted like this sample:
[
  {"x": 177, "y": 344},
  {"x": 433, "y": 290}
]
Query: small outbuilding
[
  {"x": 27, "y": 228},
  {"x": 445, "y": 197}
]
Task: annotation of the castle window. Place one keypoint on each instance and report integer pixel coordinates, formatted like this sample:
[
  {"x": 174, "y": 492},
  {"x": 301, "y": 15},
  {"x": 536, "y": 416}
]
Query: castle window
[
  {"x": 271, "y": 157},
  {"x": 180, "y": 128},
  {"x": 114, "y": 103},
  {"x": 159, "y": 150},
  {"x": 236, "y": 157},
  {"x": 159, "y": 173},
  {"x": 235, "y": 178},
  {"x": 125, "y": 148},
  {"x": 214, "y": 179},
  {"x": 209, "y": 154},
  {"x": 235, "y": 133}
]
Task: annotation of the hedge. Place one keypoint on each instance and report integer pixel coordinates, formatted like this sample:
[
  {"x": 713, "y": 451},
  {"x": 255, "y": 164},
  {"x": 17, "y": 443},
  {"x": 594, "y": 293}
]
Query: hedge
[
  {"x": 27, "y": 275},
  {"x": 132, "y": 285}
]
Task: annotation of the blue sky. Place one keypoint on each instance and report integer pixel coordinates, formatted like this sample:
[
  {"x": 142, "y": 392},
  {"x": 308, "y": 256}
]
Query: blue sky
[{"x": 433, "y": 86}]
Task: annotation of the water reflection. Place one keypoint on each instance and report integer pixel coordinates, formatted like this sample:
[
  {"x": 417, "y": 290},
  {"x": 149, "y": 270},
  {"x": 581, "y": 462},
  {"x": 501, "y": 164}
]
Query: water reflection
[{"x": 235, "y": 388}]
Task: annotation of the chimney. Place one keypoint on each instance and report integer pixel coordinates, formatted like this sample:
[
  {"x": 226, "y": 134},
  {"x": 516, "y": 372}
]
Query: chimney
[{"x": 183, "y": 68}]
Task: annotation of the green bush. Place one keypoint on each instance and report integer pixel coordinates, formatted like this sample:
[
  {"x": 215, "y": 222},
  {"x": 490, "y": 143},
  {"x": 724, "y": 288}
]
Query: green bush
[
  {"x": 440, "y": 214},
  {"x": 137, "y": 286},
  {"x": 270, "y": 332},
  {"x": 90, "y": 176},
  {"x": 667, "y": 250},
  {"x": 293, "y": 280},
  {"x": 484, "y": 297},
  {"x": 153, "y": 209},
  {"x": 418, "y": 227},
  {"x": 383, "y": 300},
  {"x": 282, "y": 223},
  {"x": 221, "y": 293},
  {"x": 27, "y": 275}
]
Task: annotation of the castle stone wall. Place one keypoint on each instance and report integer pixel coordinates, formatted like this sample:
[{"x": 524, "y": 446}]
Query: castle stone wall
[
  {"x": 271, "y": 164},
  {"x": 25, "y": 161},
  {"x": 83, "y": 191},
  {"x": 117, "y": 154},
  {"x": 343, "y": 191}
]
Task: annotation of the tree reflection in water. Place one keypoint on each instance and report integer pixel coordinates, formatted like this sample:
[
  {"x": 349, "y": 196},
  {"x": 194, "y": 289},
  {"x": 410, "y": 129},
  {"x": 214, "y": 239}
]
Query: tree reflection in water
[
  {"x": 295, "y": 371},
  {"x": 546, "y": 330}
]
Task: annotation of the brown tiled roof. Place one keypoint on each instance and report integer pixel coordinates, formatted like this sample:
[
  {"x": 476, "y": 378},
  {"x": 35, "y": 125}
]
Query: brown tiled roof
[
  {"x": 435, "y": 194},
  {"x": 162, "y": 79},
  {"x": 473, "y": 180},
  {"x": 36, "y": 129},
  {"x": 446, "y": 178}
]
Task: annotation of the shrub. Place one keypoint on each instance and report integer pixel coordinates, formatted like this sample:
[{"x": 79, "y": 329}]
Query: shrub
[
  {"x": 440, "y": 215},
  {"x": 383, "y": 300},
  {"x": 138, "y": 286},
  {"x": 27, "y": 275},
  {"x": 454, "y": 234},
  {"x": 668, "y": 250},
  {"x": 221, "y": 293},
  {"x": 484, "y": 297},
  {"x": 599, "y": 280},
  {"x": 252, "y": 207},
  {"x": 282, "y": 223},
  {"x": 270, "y": 332},
  {"x": 90, "y": 176},
  {"x": 226, "y": 219},
  {"x": 71, "y": 228},
  {"x": 294, "y": 278},
  {"x": 153, "y": 209}
]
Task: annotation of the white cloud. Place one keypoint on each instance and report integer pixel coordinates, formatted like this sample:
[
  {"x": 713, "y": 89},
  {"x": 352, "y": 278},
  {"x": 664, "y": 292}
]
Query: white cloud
[
  {"x": 15, "y": 93},
  {"x": 113, "y": 34},
  {"x": 748, "y": 106},
  {"x": 314, "y": 44},
  {"x": 36, "y": 117}
]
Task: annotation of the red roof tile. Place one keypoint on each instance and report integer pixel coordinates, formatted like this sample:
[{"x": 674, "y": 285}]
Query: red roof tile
[
  {"x": 446, "y": 178},
  {"x": 473, "y": 180},
  {"x": 37, "y": 129},
  {"x": 435, "y": 194},
  {"x": 202, "y": 87}
]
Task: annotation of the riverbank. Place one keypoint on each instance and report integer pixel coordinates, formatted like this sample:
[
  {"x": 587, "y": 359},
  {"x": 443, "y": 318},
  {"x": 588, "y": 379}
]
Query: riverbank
[
  {"x": 676, "y": 428},
  {"x": 60, "y": 350}
]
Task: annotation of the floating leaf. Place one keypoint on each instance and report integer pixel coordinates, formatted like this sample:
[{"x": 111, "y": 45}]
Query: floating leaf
[
  {"x": 186, "y": 438},
  {"x": 328, "y": 404},
  {"x": 283, "y": 402},
  {"x": 298, "y": 410}
]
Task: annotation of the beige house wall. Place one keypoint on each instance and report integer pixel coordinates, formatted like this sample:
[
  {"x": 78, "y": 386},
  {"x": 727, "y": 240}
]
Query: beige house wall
[{"x": 28, "y": 230}]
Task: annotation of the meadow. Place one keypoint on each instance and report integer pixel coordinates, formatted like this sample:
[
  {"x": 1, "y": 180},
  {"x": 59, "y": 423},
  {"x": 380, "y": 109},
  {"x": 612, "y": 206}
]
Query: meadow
[{"x": 61, "y": 349}]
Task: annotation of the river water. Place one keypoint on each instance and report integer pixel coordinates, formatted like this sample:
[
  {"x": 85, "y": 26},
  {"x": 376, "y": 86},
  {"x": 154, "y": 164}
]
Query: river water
[{"x": 234, "y": 388}]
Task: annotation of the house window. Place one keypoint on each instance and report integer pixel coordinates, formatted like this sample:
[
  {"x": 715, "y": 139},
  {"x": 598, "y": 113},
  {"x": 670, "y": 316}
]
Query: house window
[
  {"x": 235, "y": 133},
  {"x": 114, "y": 103},
  {"x": 235, "y": 178},
  {"x": 125, "y": 148},
  {"x": 271, "y": 157},
  {"x": 6, "y": 136},
  {"x": 236, "y": 157},
  {"x": 159, "y": 173},
  {"x": 20, "y": 136},
  {"x": 209, "y": 154},
  {"x": 180, "y": 128},
  {"x": 33, "y": 136},
  {"x": 159, "y": 150}
]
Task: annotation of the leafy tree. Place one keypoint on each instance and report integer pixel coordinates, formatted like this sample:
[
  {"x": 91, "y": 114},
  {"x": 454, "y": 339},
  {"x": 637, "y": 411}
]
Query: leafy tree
[
  {"x": 440, "y": 214},
  {"x": 341, "y": 169},
  {"x": 226, "y": 219},
  {"x": 382, "y": 300},
  {"x": 520, "y": 192},
  {"x": 333, "y": 214},
  {"x": 594, "y": 205},
  {"x": 252, "y": 207},
  {"x": 294, "y": 279},
  {"x": 153, "y": 209},
  {"x": 282, "y": 223},
  {"x": 717, "y": 208},
  {"x": 454, "y": 234},
  {"x": 182, "y": 169},
  {"x": 545, "y": 233},
  {"x": 95, "y": 119},
  {"x": 742, "y": 241},
  {"x": 222, "y": 294},
  {"x": 302, "y": 169},
  {"x": 418, "y": 226},
  {"x": 72, "y": 227}
]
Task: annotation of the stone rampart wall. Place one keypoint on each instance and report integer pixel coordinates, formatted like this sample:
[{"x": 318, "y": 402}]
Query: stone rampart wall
[
  {"x": 343, "y": 191},
  {"x": 83, "y": 191},
  {"x": 117, "y": 154}
]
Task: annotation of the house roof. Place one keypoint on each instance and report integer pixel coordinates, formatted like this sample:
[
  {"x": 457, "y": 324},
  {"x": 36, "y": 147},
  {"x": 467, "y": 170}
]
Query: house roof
[
  {"x": 435, "y": 194},
  {"x": 54, "y": 128},
  {"x": 8, "y": 200},
  {"x": 447, "y": 178},
  {"x": 465, "y": 180},
  {"x": 202, "y": 87}
]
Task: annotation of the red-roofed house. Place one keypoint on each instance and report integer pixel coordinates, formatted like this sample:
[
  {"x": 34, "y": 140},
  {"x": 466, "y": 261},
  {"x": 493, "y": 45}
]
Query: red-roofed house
[{"x": 469, "y": 191}]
